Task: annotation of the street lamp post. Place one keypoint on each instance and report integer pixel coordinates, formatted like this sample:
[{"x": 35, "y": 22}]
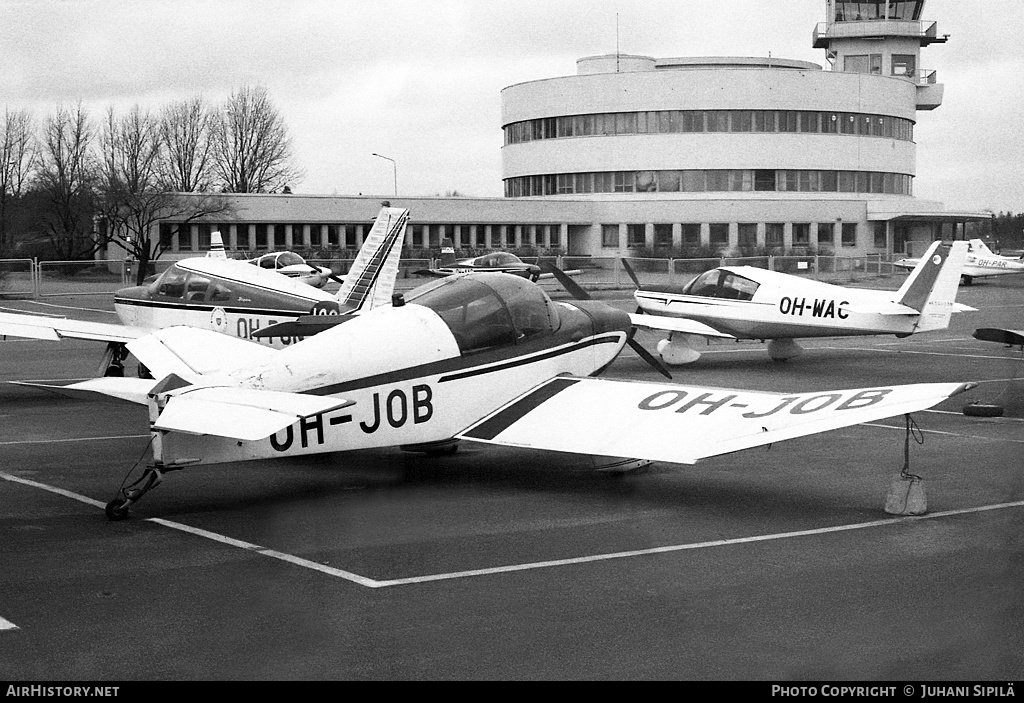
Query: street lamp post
[{"x": 394, "y": 167}]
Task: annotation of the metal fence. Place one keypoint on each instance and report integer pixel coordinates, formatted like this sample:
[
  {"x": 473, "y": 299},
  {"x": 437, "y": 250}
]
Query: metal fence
[{"x": 41, "y": 279}]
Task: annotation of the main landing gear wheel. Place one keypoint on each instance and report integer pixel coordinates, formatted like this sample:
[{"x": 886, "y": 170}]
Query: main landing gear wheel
[{"x": 117, "y": 509}]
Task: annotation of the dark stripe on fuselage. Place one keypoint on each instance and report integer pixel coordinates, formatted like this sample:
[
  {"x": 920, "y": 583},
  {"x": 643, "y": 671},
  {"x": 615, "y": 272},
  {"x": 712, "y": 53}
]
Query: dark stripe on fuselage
[
  {"x": 207, "y": 307},
  {"x": 503, "y": 419},
  {"x": 461, "y": 367}
]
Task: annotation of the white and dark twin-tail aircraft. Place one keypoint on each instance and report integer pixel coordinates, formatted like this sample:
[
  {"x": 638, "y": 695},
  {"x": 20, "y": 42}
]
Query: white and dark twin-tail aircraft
[
  {"x": 744, "y": 302},
  {"x": 981, "y": 262},
  {"x": 484, "y": 357},
  {"x": 496, "y": 261},
  {"x": 231, "y": 297},
  {"x": 290, "y": 264}
]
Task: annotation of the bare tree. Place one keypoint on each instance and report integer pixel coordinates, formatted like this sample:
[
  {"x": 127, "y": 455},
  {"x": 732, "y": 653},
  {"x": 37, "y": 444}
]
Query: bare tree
[
  {"x": 133, "y": 193},
  {"x": 252, "y": 150},
  {"x": 186, "y": 133},
  {"x": 16, "y": 160},
  {"x": 65, "y": 180}
]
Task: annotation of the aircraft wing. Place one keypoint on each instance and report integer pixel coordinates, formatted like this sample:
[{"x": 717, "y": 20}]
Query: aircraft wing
[
  {"x": 675, "y": 324},
  {"x": 133, "y": 390},
  {"x": 1002, "y": 336},
  {"x": 683, "y": 424},
  {"x": 56, "y": 328},
  {"x": 239, "y": 413}
]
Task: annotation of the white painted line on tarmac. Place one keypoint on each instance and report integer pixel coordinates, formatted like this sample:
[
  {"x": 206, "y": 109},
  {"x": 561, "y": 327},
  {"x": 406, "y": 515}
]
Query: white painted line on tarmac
[
  {"x": 375, "y": 583},
  {"x": 903, "y": 428},
  {"x": 52, "y": 489},
  {"x": 72, "y": 439},
  {"x": 929, "y": 353},
  {"x": 696, "y": 545},
  {"x": 7, "y": 625}
]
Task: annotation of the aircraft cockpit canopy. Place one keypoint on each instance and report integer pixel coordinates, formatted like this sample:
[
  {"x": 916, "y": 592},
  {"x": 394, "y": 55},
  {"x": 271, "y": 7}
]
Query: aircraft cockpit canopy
[
  {"x": 499, "y": 258},
  {"x": 177, "y": 283},
  {"x": 719, "y": 283},
  {"x": 486, "y": 310},
  {"x": 278, "y": 260}
]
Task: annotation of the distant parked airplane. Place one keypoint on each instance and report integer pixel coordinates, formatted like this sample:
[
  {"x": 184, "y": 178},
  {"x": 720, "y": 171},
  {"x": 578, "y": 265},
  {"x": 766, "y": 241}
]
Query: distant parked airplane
[{"x": 981, "y": 262}]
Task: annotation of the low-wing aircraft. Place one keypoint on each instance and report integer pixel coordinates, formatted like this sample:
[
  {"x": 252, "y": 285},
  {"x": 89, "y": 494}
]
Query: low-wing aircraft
[
  {"x": 484, "y": 357},
  {"x": 290, "y": 264},
  {"x": 981, "y": 262},
  {"x": 231, "y": 296},
  {"x": 744, "y": 302},
  {"x": 501, "y": 261},
  {"x": 1011, "y": 338}
]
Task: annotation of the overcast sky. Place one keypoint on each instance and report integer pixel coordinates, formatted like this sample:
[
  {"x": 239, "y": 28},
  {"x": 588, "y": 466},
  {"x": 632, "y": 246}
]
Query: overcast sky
[{"x": 420, "y": 81}]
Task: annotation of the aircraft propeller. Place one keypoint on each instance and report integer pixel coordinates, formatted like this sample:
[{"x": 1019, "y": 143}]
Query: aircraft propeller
[{"x": 576, "y": 291}]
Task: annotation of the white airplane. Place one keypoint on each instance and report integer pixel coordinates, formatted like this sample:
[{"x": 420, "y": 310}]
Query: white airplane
[
  {"x": 232, "y": 297},
  {"x": 485, "y": 357},
  {"x": 743, "y": 302},
  {"x": 981, "y": 262},
  {"x": 290, "y": 264}
]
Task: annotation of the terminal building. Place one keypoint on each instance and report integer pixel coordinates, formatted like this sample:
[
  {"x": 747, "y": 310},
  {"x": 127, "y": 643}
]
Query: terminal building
[{"x": 672, "y": 155}]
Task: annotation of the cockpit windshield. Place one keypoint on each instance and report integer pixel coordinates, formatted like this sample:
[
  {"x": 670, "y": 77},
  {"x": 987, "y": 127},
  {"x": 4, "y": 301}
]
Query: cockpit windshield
[
  {"x": 719, "y": 283},
  {"x": 499, "y": 258},
  {"x": 485, "y": 310}
]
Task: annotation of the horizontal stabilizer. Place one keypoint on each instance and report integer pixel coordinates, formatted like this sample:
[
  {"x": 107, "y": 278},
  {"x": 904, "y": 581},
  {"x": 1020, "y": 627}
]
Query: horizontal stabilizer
[
  {"x": 240, "y": 413},
  {"x": 675, "y": 324},
  {"x": 683, "y": 424},
  {"x": 56, "y": 328},
  {"x": 1002, "y": 336},
  {"x": 190, "y": 352},
  {"x": 133, "y": 390}
]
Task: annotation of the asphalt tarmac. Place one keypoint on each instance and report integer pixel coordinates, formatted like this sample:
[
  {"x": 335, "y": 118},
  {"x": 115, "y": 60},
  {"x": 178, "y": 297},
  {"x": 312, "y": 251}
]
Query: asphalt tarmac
[{"x": 776, "y": 563}]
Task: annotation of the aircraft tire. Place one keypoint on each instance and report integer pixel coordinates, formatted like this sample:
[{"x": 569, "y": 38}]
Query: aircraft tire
[
  {"x": 116, "y": 510},
  {"x": 983, "y": 410}
]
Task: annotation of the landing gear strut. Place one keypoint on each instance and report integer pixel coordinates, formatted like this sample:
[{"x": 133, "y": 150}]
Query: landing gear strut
[{"x": 117, "y": 509}]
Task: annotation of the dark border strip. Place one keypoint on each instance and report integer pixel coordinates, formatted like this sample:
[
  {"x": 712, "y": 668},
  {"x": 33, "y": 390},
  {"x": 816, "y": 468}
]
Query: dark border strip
[{"x": 503, "y": 419}]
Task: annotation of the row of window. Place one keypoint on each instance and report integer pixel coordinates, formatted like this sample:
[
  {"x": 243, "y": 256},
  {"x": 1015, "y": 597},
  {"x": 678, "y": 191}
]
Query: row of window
[
  {"x": 673, "y": 121},
  {"x": 718, "y": 234},
  {"x": 339, "y": 236},
  {"x": 860, "y": 10},
  {"x": 712, "y": 180}
]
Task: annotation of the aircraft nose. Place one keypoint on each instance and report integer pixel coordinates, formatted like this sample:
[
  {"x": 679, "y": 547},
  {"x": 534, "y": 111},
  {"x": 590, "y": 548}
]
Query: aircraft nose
[
  {"x": 133, "y": 293},
  {"x": 604, "y": 317}
]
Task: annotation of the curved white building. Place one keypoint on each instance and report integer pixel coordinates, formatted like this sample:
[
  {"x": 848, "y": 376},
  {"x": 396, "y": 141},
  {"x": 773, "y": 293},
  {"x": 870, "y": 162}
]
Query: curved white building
[{"x": 735, "y": 153}]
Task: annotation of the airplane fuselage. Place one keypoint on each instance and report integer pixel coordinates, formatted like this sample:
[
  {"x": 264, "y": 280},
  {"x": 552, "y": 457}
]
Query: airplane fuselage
[
  {"x": 231, "y": 297},
  {"x": 410, "y": 382},
  {"x": 818, "y": 310}
]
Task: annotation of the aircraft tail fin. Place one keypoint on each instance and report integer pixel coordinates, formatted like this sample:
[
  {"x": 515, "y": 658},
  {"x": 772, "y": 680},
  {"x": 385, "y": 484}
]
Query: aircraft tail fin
[
  {"x": 447, "y": 253},
  {"x": 216, "y": 247},
  {"x": 371, "y": 280},
  {"x": 932, "y": 286},
  {"x": 979, "y": 247}
]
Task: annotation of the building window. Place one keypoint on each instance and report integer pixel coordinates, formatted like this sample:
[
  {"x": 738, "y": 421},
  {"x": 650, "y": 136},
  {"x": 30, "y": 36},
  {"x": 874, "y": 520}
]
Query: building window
[
  {"x": 849, "y": 234},
  {"x": 610, "y": 236},
  {"x": 863, "y": 63},
  {"x": 261, "y": 236},
  {"x": 719, "y": 235},
  {"x": 668, "y": 181},
  {"x": 880, "y": 235},
  {"x": 747, "y": 232},
  {"x": 663, "y": 235},
  {"x": 691, "y": 234},
  {"x": 773, "y": 235},
  {"x": 826, "y": 234},
  {"x": 801, "y": 234},
  {"x": 764, "y": 179},
  {"x": 635, "y": 235}
]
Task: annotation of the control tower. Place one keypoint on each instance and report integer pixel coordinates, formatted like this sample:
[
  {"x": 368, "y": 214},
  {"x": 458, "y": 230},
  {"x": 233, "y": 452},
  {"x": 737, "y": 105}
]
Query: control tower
[{"x": 882, "y": 38}]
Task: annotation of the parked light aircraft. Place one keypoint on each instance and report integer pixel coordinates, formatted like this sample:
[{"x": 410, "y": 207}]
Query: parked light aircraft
[
  {"x": 744, "y": 302},
  {"x": 482, "y": 356},
  {"x": 290, "y": 264},
  {"x": 1011, "y": 338},
  {"x": 501, "y": 261},
  {"x": 231, "y": 296},
  {"x": 981, "y": 262}
]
